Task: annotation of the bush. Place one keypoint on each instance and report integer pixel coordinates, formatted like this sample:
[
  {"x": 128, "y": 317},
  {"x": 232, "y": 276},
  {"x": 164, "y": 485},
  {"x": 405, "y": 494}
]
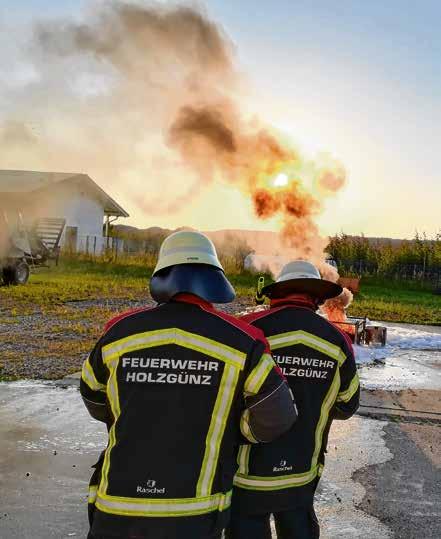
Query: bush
[{"x": 417, "y": 259}]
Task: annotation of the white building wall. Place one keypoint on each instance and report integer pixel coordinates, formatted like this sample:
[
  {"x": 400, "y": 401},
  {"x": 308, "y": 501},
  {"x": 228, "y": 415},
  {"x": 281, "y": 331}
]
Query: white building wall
[{"x": 81, "y": 211}]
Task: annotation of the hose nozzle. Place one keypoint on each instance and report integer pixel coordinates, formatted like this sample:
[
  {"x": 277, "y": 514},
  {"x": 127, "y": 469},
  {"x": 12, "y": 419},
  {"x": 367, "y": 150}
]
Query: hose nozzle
[{"x": 260, "y": 298}]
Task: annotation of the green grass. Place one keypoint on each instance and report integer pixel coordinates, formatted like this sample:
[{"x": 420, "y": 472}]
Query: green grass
[
  {"x": 76, "y": 280},
  {"x": 40, "y": 314},
  {"x": 80, "y": 279},
  {"x": 49, "y": 287},
  {"x": 397, "y": 301}
]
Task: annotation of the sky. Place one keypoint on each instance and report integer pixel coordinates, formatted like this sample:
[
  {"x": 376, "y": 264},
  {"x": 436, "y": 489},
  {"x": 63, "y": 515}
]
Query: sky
[{"x": 360, "y": 80}]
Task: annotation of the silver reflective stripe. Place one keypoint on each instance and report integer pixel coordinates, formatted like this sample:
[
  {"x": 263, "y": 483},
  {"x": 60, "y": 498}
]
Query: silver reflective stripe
[
  {"x": 113, "y": 397},
  {"x": 259, "y": 374},
  {"x": 92, "y": 494},
  {"x": 346, "y": 396},
  {"x": 245, "y": 428},
  {"x": 163, "y": 507},
  {"x": 274, "y": 482},
  {"x": 174, "y": 336},
  {"x": 243, "y": 458},
  {"x": 89, "y": 377},
  {"x": 216, "y": 431},
  {"x": 303, "y": 337}
]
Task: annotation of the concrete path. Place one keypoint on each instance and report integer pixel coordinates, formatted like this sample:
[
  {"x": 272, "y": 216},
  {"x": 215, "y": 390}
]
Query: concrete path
[{"x": 381, "y": 480}]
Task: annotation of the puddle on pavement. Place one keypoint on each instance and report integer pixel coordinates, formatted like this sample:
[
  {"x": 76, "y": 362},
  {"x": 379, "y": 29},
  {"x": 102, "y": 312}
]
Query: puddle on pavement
[
  {"x": 39, "y": 416},
  {"x": 404, "y": 369},
  {"x": 352, "y": 445},
  {"x": 61, "y": 423},
  {"x": 410, "y": 360}
]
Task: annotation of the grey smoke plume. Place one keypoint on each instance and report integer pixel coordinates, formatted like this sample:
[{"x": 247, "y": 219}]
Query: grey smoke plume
[
  {"x": 143, "y": 98},
  {"x": 103, "y": 93}
]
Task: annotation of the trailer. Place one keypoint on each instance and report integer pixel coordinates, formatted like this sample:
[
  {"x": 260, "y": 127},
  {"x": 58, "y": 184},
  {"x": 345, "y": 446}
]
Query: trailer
[{"x": 23, "y": 248}]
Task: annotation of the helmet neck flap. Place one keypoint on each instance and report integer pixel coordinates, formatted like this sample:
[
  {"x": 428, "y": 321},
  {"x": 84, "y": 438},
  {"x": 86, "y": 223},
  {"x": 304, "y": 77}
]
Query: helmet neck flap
[{"x": 204, "y": 281}]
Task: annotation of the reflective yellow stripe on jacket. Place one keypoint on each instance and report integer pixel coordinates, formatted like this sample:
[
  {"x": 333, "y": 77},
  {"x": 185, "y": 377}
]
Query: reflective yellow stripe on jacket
[
  {"x": 346, "y": 396},
  {"x": 180, "y": 507},
  {"x": 250, "y": 482},
  {"x": 205, "y": 500},
  {"x": 292, "y": 338},
  {"x": 88, "y": 376}
]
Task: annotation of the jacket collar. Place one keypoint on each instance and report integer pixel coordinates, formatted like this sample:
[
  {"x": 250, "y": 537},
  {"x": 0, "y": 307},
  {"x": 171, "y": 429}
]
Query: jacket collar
[
  {"x": 294, "y": 300},
  {"x": 191, "y": 298}
]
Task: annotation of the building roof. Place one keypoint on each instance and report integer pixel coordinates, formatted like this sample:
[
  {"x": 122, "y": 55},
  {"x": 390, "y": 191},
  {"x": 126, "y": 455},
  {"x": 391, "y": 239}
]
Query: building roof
[{"x": 27, "y": 181}]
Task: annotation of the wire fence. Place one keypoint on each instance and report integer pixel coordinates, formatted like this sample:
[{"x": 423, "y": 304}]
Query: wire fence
[
  {"x": 410, "y": 272},
  {"x": 94, "y": 245}
]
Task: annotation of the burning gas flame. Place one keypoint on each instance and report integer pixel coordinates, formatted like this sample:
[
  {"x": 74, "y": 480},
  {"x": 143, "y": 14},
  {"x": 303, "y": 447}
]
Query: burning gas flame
[{"x": 335, "y": 308}]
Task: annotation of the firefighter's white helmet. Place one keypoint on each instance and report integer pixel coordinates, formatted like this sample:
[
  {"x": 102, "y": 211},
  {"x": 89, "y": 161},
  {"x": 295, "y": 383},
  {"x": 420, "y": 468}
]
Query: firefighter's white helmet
[
  {"x": 187, "y": 247},
  {"x": 188, "y": 263},
  {"x": 299, "y": 269},
  {"x": 301, "y": 276}
]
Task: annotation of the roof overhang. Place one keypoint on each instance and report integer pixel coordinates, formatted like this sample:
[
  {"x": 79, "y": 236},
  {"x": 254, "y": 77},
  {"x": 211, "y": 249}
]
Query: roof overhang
[{"x": 15, "y": 184}]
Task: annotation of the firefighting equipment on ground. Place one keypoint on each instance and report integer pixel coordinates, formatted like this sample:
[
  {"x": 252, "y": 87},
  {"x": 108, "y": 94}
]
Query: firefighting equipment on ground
[
  {"x": 260, "y": 297},
  {"x": 301, "y": 276},
  {"x": 318, "y": 362},
  {"x": 188, "y": 262},
  {"x": 182, "y": 385}
]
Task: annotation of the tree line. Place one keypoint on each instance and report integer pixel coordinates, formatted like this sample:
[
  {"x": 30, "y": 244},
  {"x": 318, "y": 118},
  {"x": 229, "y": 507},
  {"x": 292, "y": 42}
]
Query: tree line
[{"x": 419, "y": 258}]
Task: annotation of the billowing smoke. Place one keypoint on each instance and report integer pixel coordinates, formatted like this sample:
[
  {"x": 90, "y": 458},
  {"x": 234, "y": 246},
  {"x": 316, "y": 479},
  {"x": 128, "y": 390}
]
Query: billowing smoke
[
  {"x": 218, "y": 142},
  {"x": 100, "y": 96},
  {"x": 142, "y": 92}
]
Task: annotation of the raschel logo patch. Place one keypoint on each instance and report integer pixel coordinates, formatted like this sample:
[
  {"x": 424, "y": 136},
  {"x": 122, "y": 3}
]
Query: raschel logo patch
[
  {"x": 150, "y": 488},
  {"x": 282, "y": 467}
]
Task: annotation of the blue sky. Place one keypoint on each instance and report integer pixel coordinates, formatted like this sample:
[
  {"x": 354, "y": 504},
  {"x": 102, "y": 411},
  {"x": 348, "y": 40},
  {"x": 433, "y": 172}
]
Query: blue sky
[{"x": 359, "y": 79}]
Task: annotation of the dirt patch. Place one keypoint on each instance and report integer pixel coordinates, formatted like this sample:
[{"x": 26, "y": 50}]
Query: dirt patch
[
  {"x": 428, "y": 439},
  {"x": 52, "y": 343},
  {"x": 416, "y": 405}
]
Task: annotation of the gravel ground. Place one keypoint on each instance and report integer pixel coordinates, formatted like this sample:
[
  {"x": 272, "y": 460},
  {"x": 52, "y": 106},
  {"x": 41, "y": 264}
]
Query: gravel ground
[{"x": 50, "y": 346}]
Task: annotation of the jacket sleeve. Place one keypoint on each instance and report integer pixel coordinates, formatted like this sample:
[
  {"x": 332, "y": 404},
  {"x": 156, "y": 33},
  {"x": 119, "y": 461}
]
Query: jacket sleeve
[
  {"x": 348, "y": 398},
  {"x": 93, "y": 382},
  {"x": 270, "y": 409}
]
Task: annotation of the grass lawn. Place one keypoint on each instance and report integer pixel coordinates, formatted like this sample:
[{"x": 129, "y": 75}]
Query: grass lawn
[
  {"x": 397, "y": 301},
  {"x": 76, "y": 280},
  {"x": 49, "y": 288},
  {"x": 48, "y": 326}
]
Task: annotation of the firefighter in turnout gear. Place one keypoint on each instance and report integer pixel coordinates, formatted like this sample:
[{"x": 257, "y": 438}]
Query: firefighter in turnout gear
[
  {"x": 180, "y": 386},
  {"x": 317, "y": 359}
]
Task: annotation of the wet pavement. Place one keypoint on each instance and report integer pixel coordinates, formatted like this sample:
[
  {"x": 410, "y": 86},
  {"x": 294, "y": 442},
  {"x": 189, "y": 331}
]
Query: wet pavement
[
  {"x": 377, "y": 472},
  {"x": 404, "y": 493},
  {"x": 383, "y": 471},
  {"x": 47, "y": 445},
  {"x": 404, "y": 369}
]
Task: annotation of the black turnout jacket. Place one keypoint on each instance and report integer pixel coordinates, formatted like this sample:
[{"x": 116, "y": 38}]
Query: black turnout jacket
[
  {"x": 318, "y": 361},
  {"x": 180, "y": 387}
]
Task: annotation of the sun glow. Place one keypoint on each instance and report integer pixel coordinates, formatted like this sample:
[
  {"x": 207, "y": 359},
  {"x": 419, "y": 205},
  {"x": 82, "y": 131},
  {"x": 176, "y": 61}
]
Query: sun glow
[{"x": 281, "y": 180}]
